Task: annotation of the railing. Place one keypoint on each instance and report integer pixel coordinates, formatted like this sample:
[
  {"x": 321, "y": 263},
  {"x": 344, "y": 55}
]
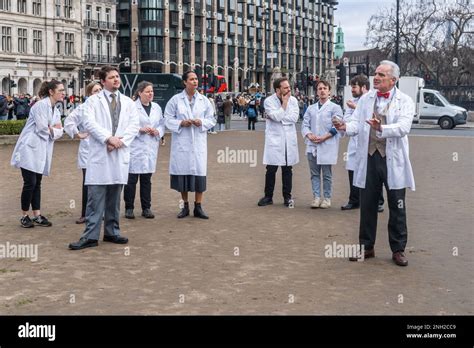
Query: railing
[
  {"x": 152, "y": 56},
  {"x": 92, "y": 58},
  {"x": 91, "y": 23}
]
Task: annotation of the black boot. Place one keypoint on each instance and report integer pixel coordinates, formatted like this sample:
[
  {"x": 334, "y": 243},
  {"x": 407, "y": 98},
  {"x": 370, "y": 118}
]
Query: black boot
[
  {"x": 185, "y": 211},
  {"x": 198, "y": 212}
]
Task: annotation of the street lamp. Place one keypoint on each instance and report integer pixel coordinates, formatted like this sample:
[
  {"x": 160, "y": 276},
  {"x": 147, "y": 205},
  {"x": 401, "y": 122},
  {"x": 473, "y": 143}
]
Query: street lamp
[
  {"x": 136, "y": 56},
  {"x": 397, "y": 39},
  {"x": 266, "y": 14}
]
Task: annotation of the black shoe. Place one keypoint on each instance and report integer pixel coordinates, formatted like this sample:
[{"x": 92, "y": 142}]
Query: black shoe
[
  {"x": 287, "y": 201},
  {"x": 83, "y": 243},
  {"x": 116, "y": 239},
  {"x": 198, "y": 212},
  {"x": 380, "y": 208},
  {"x": 147, "y": 213},
  {"x": 265, "y": 201},
  {"x": 40, "y": 220},
  {"x": 26, "y": 222},
  {"x": 185, "y": 211},
  {"x": 349, "y": 206},
  {"x": 129, "y": 214}
]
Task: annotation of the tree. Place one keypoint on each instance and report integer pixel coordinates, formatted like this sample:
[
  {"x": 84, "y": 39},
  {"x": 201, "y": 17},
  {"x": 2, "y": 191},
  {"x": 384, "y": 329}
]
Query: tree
[{"x": 435, "y": 38}]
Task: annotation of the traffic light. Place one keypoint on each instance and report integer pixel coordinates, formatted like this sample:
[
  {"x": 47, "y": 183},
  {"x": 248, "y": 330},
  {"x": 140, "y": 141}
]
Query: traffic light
[
  {"x": 341, "y": 75},
  {"x": 72, "y": 84}
]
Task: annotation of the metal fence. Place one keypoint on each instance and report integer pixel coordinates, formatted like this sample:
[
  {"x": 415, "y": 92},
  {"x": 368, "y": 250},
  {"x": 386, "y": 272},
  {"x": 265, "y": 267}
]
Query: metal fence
[{"x": 459, "y": 95}]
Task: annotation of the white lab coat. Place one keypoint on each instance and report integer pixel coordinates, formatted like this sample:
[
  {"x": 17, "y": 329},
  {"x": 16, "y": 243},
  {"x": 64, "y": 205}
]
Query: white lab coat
[
  {"x": 103, "y": 167},
  {"x": 352, "y": 145},
  {"x": 188, "y": 154},
  {"x": 34, "y": 148},
  {"x": 319, "y": 122},
  {"x": 399, "y": 120},
  {"x": 144, "y": 149},
  {"x": 73, "y": 124},
  {"x": 280, "y": 132}
]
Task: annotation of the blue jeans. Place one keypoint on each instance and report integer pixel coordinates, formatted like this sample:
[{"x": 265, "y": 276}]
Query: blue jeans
[
  {"x": 315, "y": 170},
  {"x": 4, "y": 118}
]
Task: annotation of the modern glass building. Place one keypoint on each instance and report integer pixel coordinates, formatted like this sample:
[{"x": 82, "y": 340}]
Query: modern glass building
[{"x": 243, "y": 41}]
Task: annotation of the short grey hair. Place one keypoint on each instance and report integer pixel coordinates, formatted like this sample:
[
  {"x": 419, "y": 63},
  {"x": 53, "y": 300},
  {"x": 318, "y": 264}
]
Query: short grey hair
[{"x": 395, "y": 68}]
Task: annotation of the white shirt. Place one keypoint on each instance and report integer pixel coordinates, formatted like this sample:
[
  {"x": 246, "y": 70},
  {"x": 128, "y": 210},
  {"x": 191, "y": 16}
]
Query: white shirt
[{"x": 382, "y": 102}]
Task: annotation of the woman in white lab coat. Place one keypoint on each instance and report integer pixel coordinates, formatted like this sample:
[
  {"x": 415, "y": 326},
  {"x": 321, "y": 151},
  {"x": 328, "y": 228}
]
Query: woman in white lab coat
[
  {"x": 144, "y": 151},
  {"x": 189, "y": 115},
  {"x": 74, "y": 127},
  {"x": 34, "y": 150}
]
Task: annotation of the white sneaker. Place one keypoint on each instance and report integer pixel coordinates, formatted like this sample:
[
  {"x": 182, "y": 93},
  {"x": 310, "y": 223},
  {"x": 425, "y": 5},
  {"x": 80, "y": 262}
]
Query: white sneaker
[
  {"x": 325, "y": 204},
  {"x": 316, "y": 203},
  {"x": 214, "y": 132}
]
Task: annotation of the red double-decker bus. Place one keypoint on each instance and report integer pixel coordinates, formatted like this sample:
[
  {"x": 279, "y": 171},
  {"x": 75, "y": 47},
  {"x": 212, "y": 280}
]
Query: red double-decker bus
[{"x": 214, "y": 83}]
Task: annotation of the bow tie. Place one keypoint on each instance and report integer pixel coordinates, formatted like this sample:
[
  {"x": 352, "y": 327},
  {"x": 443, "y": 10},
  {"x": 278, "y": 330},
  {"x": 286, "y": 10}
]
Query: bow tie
[{"x": 385, "y": 95}]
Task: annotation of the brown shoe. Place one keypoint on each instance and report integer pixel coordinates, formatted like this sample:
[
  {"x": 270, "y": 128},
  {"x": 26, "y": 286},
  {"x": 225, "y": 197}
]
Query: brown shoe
[
  {"x": 367, "y": 255},
  {"x": 399, "y": 258},
  {"x": 81, "y": 220}
]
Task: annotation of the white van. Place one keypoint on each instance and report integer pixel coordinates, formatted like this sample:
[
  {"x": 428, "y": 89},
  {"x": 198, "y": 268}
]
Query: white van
[{"x": 431, "y": 106}]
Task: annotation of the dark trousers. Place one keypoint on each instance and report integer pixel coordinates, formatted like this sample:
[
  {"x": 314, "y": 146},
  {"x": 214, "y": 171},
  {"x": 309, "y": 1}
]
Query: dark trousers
[
  {"x": 251, "y": 121},
  {"x": 286, "y": 178},
  {"x": 103, "y": 201},
  {"x": 369, "y": 201},
  {"x": 84, "y": 194},
  {"x": 145, "y": 190},
  {"x": 354, "y": 194},
  {"x": 31, "y": 193}
]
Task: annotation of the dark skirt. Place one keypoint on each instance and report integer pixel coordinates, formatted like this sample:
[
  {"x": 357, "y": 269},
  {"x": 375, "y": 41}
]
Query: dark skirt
[{"x": 188, "y": 183}]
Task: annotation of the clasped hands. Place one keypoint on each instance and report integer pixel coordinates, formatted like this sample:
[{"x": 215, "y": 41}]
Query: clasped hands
[
  {"x": 150, "y": 130},
  {"x": 191, "y": 122},
  {"x": 318, "y": 139},
  {"x": 114, "y": 143}
]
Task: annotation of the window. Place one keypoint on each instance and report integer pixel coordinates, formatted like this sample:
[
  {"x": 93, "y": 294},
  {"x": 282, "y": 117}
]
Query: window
[
  {"x": 97, "y": 13},
  {"x": 108, "y": 15},
  {"x": 21, "y": 6},
  {"x": 5, "y": 5},
  {"x": 88, "y": 13},
  {"x": 37, "y": 42},
  {"x": 99, "y": 45},
  {"x": 432, "y": 99},
  {"x": 58, "y": 43},
  {"x": 89, "y": 44},
  {"x": 37, "y": 7},
  {"x": 22, "y": 40},
  {"x": 58, "y": 8},
  {"x": 6, "y": 39},
  {"x": 68, "y": 44},
  {"x": 67, "y": 8},
  {"x": 108, "y": 49}
]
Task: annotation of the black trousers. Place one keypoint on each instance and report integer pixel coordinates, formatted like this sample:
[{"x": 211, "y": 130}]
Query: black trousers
[
  {"x": 84, "y": 194},
  {"x": 31, "y": 193},
  {"x": 145, "y": 190},
  {"x": 251, "y": 121},
  {"x": 354, "y": 194},
  {"x": 369, "y": 201},
  {"x": 286, "y": 178}
]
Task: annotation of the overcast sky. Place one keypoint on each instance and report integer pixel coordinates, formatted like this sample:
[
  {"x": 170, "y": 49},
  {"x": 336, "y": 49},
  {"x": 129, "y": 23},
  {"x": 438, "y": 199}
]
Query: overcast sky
[{"x": 353, "y": 15}]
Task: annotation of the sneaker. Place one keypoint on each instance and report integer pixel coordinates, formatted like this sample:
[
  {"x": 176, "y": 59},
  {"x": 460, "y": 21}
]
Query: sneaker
[
  {"x": 316, "y": 203},
  {"x": 26, "y": 222},
  {"x": 214, "y": 132},
  {"x": 40, "y": 220},
  {"x": 326, "y": 203}
]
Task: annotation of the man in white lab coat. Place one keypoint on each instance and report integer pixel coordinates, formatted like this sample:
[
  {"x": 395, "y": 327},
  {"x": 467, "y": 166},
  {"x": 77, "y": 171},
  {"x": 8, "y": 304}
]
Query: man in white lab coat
[
  {"x": 360, "y": 85},
  {"x": 112, "y": 121},
  {"x": 281, "y": 144},
  {"x": 382, "y": 120}
]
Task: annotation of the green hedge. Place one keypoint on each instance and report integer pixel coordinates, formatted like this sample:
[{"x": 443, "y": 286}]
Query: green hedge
[{"x": 11, "y": 127}]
